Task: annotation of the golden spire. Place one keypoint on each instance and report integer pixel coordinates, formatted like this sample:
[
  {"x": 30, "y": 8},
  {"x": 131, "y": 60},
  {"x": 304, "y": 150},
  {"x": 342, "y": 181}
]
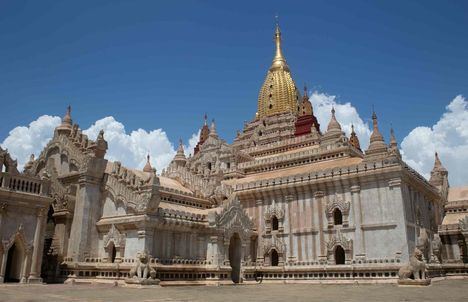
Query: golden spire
[
  {"x": 278, "y": 93},
  {"x": 278, "y": 61}
]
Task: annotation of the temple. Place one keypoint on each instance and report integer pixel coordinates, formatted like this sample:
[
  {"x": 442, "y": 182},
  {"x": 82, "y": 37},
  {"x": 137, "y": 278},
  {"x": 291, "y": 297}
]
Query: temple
[{"x": 283, "y": 201}]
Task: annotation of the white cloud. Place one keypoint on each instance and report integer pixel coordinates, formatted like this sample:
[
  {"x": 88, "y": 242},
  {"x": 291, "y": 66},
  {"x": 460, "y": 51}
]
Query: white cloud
[
  {"x": 192, "y": 143},
  {"x": 345, "y": 113},
  {"x": 23, "y": 141},
  {"x": 129, "y": 148},
  {"x": 449, "y": 137},
  {"x": 132, "y": 148}
]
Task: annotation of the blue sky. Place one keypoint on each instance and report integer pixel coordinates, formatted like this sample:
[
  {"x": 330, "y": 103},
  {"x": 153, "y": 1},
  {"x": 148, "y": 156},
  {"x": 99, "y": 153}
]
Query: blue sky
[{"x": 156, "y": 64}]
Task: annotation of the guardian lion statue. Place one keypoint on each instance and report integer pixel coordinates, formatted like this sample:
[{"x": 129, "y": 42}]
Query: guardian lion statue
[
  {"x": 142, "y": 272},
  {"x": 416, "y": 269}
]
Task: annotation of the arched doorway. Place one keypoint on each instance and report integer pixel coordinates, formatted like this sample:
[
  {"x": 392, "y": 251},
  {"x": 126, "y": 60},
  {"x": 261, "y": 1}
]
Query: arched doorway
[
  {"x": 339, "y": 255},
  {"x": 274, "y": 258},
  {"x": 235, "y": 249},
  {"x": 113, "y": 253},
  {"x": 14, "y": 263}
]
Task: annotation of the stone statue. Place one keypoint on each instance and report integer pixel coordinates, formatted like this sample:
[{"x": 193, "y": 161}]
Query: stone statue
[
  {"x": 142, "y": 273},
  {"x": 415, "y": 271},
  {"x": 436, "y": 249},
  {"x": 423, "y": 243}
]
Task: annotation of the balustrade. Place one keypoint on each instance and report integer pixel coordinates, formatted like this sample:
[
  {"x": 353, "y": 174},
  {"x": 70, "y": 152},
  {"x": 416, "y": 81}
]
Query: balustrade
[{"x": 21, "y": 183}]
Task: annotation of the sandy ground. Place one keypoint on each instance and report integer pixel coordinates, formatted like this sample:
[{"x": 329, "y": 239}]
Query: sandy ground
[{"x": 444, "y": 290}]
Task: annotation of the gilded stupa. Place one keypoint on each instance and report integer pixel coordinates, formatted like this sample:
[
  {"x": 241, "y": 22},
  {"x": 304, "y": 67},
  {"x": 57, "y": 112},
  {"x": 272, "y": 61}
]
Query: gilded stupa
[{"x": 279, "y": 92}]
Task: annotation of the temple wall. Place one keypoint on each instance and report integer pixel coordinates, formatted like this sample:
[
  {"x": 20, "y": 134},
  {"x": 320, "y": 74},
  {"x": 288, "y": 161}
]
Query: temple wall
[
  {"x": 170, "y": 244},
  {"x": 377, "y": 221}
]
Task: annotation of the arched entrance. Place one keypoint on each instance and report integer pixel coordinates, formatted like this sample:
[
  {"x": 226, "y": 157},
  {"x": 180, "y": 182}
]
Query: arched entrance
[
  {"x": 113, "y": 253},
  {"x": 14, "y": 263},
  {"x": 339, "y": 255},
  {"x": 274, "y": 258},
  {"x": 235, "y": 249}
]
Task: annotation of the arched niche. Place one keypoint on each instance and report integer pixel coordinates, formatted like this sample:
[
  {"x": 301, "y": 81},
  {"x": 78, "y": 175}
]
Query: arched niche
[
  {"x": 64, "y": 164},
  {"x": 113, "y": 206}
]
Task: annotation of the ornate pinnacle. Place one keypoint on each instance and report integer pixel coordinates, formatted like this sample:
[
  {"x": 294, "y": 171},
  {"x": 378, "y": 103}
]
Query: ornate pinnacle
[
  {"x": 278, "y": 61},
  {"x": 148, "y": 167}
]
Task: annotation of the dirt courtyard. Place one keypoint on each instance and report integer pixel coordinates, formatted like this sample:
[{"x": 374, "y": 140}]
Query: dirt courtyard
[{"x": 444, "y": 290}]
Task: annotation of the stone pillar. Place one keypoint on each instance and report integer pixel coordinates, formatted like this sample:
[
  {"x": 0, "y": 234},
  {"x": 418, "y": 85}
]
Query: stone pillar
[
  {"x": 213, "y": 251},
  {"x": 360, "y": 250},
  {"x": 318, "y": 195},
  {"x": 84, "y": 234},
  {"x": 226, "y": 253},
  {"x": 201, "y": 247},
  {"x": 292, "y": 213},
  {"x": 242, "y": 261},
  {"x": 260, "y": 227},
  {"x": 24, "y": 270},
  {"x": 4, "y": 262},
  {"x": 145, "y": 240},
  {"x": 38, "y": 246},
  {"x": 83, "y": 221}
]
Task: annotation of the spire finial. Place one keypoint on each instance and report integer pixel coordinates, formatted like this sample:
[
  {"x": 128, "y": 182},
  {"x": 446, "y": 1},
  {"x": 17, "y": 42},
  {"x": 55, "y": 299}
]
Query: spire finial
[
  {"x": 333, "y": 125},
  {"x": 278, "y": 61},
  {"x": 147, "y": 167},
  {"x": 180, "y": 149},
  {"x": 353, "y": 138},
  {"x": 438, "y": 164},
  {"x": 377, "y": 143},
  {"x": 206, "y": 119},
  {"x": 67, "y": 118},
  {"x": 374, "y": 118},
  {"x": 393, "y": 141},
  {"x": 305, "y": 89}
]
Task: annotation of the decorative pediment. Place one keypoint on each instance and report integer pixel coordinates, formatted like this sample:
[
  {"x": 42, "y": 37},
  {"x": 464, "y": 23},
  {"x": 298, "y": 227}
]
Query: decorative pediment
[
  {"x": 114, "y": 236},
  {"x": 276, "y": 243},
  {"x": 339, "y": 240},
  {"x": 18, "y": 237},
  {"x": 233, "y": 219},
  {"x": 337, "y": 203},
  {"x": 274, "y": 210},
  {"x": 334, "y": 203}
]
